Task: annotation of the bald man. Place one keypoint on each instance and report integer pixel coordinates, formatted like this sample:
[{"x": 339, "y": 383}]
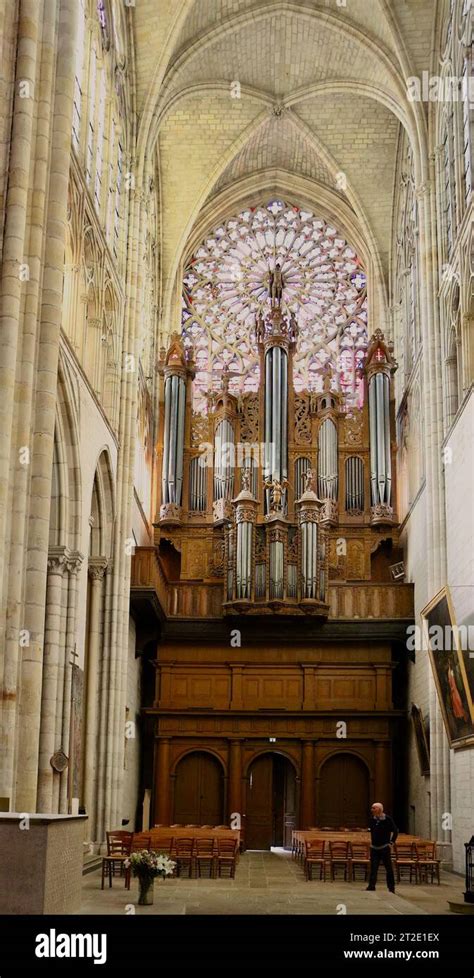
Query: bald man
[{"x": 383, "y": 833}]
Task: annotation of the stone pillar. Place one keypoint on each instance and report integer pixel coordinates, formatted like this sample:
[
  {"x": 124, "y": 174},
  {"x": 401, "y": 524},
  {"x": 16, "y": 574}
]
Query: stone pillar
[
  {"x": 306, "y": 819},
  {"x": 56, "y": 567},
  {"x": 436, "y": 522},
  {"x": 162, "y": 782},
  {"x": 62, "y": 16},
  {"x": 66, "y": 785},
  {"x": 235, "y": 778},
  {"x": 28, "y": 59},
  {"x": 35, "y": 52},
  {"x": 116, "y": 637},
  {"x": 60, "y": 686},
  {"x": 96, "y": 570}
]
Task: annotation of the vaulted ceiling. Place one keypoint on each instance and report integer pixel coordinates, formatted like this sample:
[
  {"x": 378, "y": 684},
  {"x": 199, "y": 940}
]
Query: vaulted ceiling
[{"x": 227, "y": 89}]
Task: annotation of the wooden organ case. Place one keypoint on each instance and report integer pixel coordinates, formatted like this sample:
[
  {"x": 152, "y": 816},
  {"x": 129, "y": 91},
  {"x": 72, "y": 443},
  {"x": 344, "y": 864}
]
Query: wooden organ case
[{"x": 280, "y": 618}]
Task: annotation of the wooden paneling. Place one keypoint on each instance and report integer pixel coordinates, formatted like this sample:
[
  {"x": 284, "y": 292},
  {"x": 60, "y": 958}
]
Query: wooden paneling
[
  {"x": 346, "y": 601},
  {"x": 356, "y": 689},
  {"x": 248, "y": 687},
  {"x": 279, "y": 689},
  {"x": 198, "y": 688},
  {"x": 343, "y": 793}
]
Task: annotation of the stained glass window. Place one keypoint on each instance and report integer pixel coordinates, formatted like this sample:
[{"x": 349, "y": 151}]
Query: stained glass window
[{"x": 226, "y": 286}]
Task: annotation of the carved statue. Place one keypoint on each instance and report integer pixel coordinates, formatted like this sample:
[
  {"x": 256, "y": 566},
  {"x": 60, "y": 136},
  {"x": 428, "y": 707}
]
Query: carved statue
[
  {"x": 260, "y": 329},
  {"x": 225, "y": 377},
  {"x": 277, "y": 489},
  {"x": 246, "y": 479},
  {"x": 293, "y": 331},
  {"x": 275, "y": 285},
  {"x": 309, "y": 480}
]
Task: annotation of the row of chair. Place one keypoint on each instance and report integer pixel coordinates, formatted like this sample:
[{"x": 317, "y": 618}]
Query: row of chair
[
  {"x": 188, "y": 853},
  {"x": 419, "y": 858},
  {"x": 189, "y": 825}
]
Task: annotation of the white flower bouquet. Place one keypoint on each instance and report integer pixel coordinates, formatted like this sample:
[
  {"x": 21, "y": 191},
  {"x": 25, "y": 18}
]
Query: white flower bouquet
[{"x": 147, "y": 865}]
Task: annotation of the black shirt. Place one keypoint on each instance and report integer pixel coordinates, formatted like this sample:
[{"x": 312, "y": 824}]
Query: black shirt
[{"x": 382, "y": 831}]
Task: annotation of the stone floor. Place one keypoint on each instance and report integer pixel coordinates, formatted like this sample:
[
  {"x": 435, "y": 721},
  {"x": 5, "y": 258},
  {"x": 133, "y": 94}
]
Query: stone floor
[{"x": 271, "y": 883}]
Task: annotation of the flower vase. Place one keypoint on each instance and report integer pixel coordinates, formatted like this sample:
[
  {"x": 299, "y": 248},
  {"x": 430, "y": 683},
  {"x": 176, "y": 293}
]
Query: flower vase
[{"x": 145, "y": 893}]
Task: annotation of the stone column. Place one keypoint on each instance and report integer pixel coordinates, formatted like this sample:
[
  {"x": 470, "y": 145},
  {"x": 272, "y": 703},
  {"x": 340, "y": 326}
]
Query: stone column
[
  {"x": 162, "y": 782},
  {"x": 235, "y": 778},
  {"x": 28, "y": 58},
  {"x": 436, "y": 522},
  {"x": 96, "y": 570},
  {"x": 23, "y": 246},
  {"x": 42, "y": 433},
  {"x": 47, "y": 746},
  {"x": 66, "y": 785},
  {"x": 306, "y": 819},
  {"x": 60, "y": 685},
  {"x": 116, "y": 645}
]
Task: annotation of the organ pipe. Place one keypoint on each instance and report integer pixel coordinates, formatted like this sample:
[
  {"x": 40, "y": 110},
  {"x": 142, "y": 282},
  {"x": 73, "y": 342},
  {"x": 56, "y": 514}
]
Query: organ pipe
[
  {"x": 380, "y": 365},
  {"x": 354, "y": 485},
  {"x": 276, "y": 569},
  {"x": 244, "y": 560},
  {"x": 379, "y": 421},
  {"x": 197, "y": 486},
  {"x": 173, "y": 439},
  {"x": 310, "y": 511},
  {"x": 177, "y": 368},
  {"x": 328, "y": 461},
  {"x": 245, "y": 517},
  {"x": 224, "y": 460},
  {"x": 276, "y": 416}
]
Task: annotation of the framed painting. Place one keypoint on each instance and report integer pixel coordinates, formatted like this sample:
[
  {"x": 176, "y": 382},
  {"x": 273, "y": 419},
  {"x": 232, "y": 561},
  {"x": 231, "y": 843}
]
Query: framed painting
[
  {"x": 422, "y": 744},
  {"x": 453, "y": 669}
]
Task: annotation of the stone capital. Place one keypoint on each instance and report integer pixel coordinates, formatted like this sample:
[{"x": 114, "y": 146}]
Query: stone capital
[
  {"x": 57, "y": 560},
  {"x": 74, "y": 561},
  {"x": 97, "y": 567}
]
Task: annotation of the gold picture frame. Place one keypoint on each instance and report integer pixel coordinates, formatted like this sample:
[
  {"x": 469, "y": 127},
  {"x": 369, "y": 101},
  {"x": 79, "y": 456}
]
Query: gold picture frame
[
  {"x": 453, "y": 670},
  {"x": 422, "y": 744}
]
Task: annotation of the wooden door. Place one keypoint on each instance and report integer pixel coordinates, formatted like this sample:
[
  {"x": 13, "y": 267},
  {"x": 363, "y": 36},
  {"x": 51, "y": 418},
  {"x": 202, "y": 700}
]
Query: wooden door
[
  {"x": 199, "y": 790},
  {"x": 343, "y": 796},
  {"x": 259, "y": 823},
  {"x": 271, "y": 802}
]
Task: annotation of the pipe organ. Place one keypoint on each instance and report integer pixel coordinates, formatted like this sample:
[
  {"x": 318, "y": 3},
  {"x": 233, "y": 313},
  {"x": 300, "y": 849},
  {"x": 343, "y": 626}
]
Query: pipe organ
[
  {"x": 177, "y": 371},
  {"x": 271, "y": 480}
]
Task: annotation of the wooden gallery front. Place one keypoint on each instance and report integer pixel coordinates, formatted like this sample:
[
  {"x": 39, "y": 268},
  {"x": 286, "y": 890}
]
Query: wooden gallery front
[{"x": 271, "y": 612}]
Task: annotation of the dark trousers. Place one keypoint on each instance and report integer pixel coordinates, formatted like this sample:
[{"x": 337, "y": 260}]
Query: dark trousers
[{"x": 384, "y": 856}]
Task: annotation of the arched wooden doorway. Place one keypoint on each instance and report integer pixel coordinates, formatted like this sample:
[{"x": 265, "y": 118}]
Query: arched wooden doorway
[
  {"x": 271, "y": 802},
  {"x": 343, "y": 796},
  {"x": 199, "y": 790}
]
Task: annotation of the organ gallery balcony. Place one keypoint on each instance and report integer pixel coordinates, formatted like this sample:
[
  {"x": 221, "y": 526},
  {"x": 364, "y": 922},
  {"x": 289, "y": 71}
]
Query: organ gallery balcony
[{"x": 190, "y": 598}]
